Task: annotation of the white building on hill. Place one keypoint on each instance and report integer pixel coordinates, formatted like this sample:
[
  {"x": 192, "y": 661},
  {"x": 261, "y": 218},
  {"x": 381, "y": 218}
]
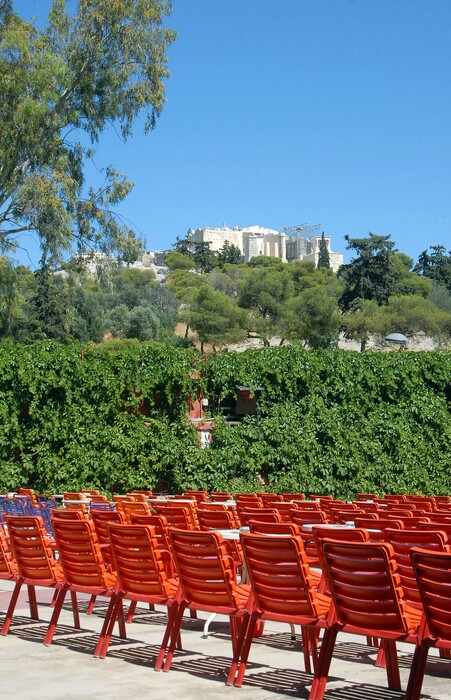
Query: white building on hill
[{"x": 254, "y": 241}]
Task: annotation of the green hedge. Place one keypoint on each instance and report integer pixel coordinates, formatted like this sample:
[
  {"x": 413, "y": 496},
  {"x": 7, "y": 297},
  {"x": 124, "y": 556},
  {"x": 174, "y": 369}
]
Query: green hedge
[{"x": 114, "y": 417}]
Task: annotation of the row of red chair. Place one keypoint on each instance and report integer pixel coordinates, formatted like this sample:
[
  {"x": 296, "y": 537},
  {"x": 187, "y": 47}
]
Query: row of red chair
[
  {"x": 363, "y": 579},
  {"x": 70, "y": 539}
]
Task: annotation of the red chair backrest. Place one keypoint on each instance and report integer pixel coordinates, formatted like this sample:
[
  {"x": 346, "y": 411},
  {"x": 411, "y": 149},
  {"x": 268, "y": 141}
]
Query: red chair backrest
[
  {"x": 443, "y": 527},
  {"x": 303, "y": 517},
  {"x": 259, "y": 528},
  {"x": 433, "y": 576},
  {"x": 67, "y": 514},
  {"x": 221, "y": 496},
  {"x": 102, "y": 520},
  {"x": 135, "y": 507},
  {"x": 7, "y": 564},
  {"x": 367, "y": 595},
  {"x": 30, "y": 549},
  {"x": 376, "y": 528},
  {"x": 138, "y": 561},
  {"x": 336, "y": 534},
  {"x": 80, "y": 555},
  {"x": 159, "y": 524},
  {"x": 199, "y": 496},
  {"x": 280, "y": 576},
  {"x": 216, "y": 519},
  {"x": 261, "y": 514},
  {"x": 402, "y": 542},
  {"x": 206, "y": 571},
  {"x": 178, "y": 515},
  {"x": 285, "y": 510}
]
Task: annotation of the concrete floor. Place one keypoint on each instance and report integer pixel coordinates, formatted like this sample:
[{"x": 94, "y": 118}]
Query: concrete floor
[{"x": 68, "y": 671}]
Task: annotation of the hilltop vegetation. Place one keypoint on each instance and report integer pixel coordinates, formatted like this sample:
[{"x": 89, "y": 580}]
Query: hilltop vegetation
[{"x": 223, "y": 302}]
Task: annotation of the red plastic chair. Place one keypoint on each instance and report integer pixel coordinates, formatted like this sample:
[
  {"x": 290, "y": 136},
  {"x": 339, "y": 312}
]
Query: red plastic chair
[
  {"x": 283, "y": 591},
  {"x": 132, "y": 507},
  {"x": 368, "y": 600},
  {"x": 36, "y": 565},
  {"x": 260, "y": 528},
  {"x": 67, "y": 514},
  {"x": 141, "y": 577},
  {"x": 199, "y": 496},
  {"x": 160, "y": 526},
  {"x": 300, "y": 518},
  {"x": 221, "y": 496},
  {"x": 285, "y": 510},
  {"x": 402, "y": 542},
  {"x": 376, "y": 528},
  {"x": 267, "y": 515},
  {"x": 216, "y": 519},
  {"x": 269, "y": 498},
  {"x": 335, "y": 534},
  {"x": 222, "y": 520},
  {"x": 102, "y": 519},
  {"x": 443, "y": 527},
  {"x": 433, "y": 577},
  {"x": 220, "y": 507},
  {"x": 308, "y": 505},
  {"x": 8, "y": 567},
  {"x": 83, "y": 567},
  {"x": 180, "y": 515},
  {"x": 414, "y": 522},
  {"x": 207, "y": 582}
]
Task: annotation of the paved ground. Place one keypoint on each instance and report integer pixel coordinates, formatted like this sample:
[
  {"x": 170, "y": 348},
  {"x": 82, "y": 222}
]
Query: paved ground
[{"x": 68, "y": 671}]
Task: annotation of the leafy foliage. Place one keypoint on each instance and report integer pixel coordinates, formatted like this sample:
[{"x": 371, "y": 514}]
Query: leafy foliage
[
  {"x": 115, "y": 418},
  {"x": 61, "y": 87}
]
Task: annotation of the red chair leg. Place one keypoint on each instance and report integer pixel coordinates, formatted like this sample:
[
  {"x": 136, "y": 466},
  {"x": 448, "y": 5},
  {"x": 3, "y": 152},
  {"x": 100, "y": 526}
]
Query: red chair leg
[
  {"x": 55, "y": 616},
  {"x": 417, "y": 671},
  {"x": 73, "y": 598},
  {"x": 176, "y": 625},
  {"x": 237, "y": 649},
  {"x": 121, "y": 620},
  {"x": 169, "y": 633},
  {"x": 91, "y": 604},
  {"x": 34, "y": 614},
  {"x": 246, "y": 646},
  {"x": 103, "y": 642},
  {"x": 323, "y": 665},
  {"x": 391, "y": 657},
  {"x": 131, "y": 611},
  {"x": 11, "y": 607}
]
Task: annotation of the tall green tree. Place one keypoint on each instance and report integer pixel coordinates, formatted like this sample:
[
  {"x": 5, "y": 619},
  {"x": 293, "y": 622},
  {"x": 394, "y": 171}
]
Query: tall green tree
[
  {"x": 9, "y": 296},
  {"x": 229, "y": 254},
  {"x": 370, "y": 275},
  {"x": 264, "y": 290},
  {"x": 215, "y": 317},
  {"x": 312, "y": 317},
  {"x": 49, "y": 307},
  {"x": 60, "y": 88},
  {"x": 183, "y": 245},
  {"x": 323, "y": 254},
  {"x": 204, "y": 257},
  {"x": 436, "y": 265}
]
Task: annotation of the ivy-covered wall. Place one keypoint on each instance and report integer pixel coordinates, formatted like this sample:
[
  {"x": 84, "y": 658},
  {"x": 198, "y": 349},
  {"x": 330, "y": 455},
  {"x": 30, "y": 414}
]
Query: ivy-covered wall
[{"x": 114, "y": 417}]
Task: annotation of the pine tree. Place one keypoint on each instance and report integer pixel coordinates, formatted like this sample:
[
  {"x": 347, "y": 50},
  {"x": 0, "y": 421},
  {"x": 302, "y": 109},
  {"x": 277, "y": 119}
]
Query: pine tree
[{"x": 323, "y": 256}]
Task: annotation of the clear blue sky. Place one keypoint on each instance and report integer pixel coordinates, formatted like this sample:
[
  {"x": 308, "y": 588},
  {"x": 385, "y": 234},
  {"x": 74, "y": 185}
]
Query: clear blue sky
[{"x": 281, "y": 112}]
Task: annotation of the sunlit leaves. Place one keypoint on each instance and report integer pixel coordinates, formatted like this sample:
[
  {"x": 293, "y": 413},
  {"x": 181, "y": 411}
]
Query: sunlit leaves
[{"x": 60, "y": 88}]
